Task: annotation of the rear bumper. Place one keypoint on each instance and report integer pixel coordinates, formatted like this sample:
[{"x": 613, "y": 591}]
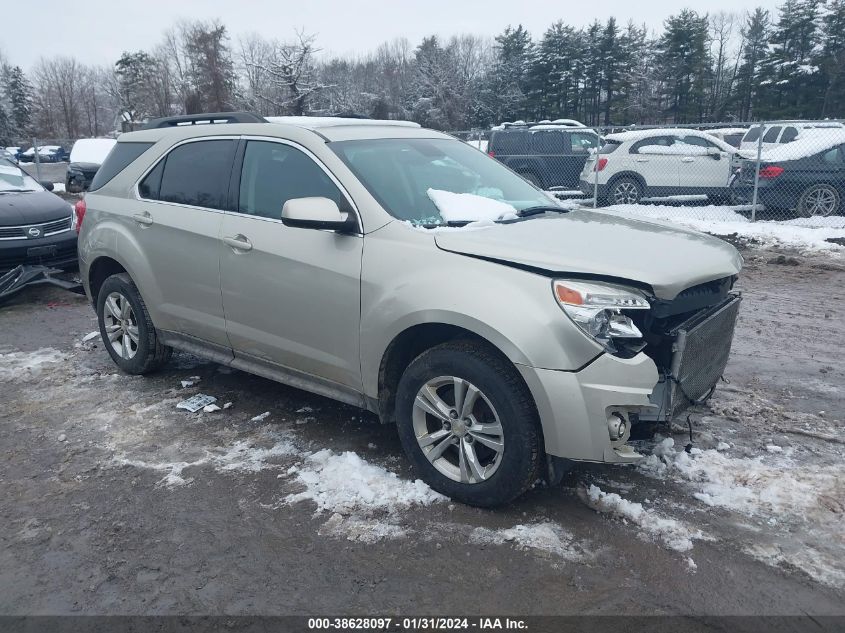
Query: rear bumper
[
  {"x": 56, "y": 251},
  {"x": 589, "y": 188},
  {"x": 770, "y": 196}
]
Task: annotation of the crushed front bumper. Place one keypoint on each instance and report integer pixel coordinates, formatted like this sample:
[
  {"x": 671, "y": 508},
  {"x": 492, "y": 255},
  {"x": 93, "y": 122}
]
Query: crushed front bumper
[{"x": 577, "y": 408}]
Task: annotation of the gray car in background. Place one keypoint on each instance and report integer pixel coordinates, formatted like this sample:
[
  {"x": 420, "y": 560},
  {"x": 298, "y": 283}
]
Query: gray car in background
[{"x": 400, "y": 270}]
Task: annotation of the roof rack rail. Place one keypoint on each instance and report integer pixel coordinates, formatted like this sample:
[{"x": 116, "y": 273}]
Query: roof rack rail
[{"x": 209, "y": 118}]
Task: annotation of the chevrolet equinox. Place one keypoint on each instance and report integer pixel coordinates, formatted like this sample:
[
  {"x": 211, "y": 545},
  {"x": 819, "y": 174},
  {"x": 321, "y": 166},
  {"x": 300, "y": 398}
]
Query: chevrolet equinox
[{"x": 400, "y": 270}]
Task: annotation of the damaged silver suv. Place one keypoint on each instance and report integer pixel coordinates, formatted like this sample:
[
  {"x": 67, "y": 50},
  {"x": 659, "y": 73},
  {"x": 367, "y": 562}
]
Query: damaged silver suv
[{"x": 402, "y": 271}]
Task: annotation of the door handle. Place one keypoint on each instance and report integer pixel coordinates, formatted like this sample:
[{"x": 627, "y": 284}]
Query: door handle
[
  {"x": 687, "y": 159},
  {"x": 143, "y": 218},
  {"x": 642, "y": 160},
  {"x": 238, "y": 242}
]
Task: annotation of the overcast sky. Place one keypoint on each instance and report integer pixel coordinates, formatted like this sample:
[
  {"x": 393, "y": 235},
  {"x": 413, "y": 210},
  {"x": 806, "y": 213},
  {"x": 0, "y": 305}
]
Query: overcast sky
[{"x": 97, "y": 31}]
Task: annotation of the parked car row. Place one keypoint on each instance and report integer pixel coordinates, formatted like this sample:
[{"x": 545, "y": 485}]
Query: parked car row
[{"x": 46, "y": 154}]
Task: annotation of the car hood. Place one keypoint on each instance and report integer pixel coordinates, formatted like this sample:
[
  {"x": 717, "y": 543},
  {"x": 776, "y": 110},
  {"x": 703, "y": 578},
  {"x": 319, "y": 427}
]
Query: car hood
[
  {"x": 84, "y": 166},
  {"x": 31, "y": 208},
  {"x": 665, "y": 257}
]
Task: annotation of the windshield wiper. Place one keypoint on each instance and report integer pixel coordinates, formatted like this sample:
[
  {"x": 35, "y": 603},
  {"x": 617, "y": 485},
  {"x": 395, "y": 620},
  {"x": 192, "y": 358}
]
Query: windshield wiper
[
  {"x": 16, "y": 190},
  {"x": 543, "y": 208}
]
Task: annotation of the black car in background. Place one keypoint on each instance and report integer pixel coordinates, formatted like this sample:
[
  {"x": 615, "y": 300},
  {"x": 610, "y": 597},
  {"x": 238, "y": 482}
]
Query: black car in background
[
  {"x": 36, "y": 226},
  {"x": 806, "y": 176},
  {"x": 548, "y": 155},
  {"x": 86, "y": 156}
]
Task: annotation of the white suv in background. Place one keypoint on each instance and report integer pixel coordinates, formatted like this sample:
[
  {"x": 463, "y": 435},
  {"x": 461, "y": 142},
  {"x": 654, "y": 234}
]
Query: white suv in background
[
  {"x": 659, "y": 162},
  {"x": 776, "y": 134}
]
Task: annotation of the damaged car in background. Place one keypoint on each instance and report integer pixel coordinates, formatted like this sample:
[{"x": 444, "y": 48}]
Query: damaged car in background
[{"x": 503, "y": 334}]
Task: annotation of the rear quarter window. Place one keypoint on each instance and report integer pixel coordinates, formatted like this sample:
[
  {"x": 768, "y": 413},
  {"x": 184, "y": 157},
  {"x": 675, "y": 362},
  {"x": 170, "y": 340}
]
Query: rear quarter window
[
  {"x": 118, "y": 159},
  {"x": 510, "y": 142}
]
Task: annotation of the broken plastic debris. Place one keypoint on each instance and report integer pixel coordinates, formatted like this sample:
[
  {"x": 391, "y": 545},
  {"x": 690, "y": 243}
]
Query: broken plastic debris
[
  {"x": 227, "y": 405},
  {"x": 197, "y": 402},
  {"x": 90, "y": 336},
  {"x": 210, "y": 408},
  {"x": 187, "y": 383},
  {"x": 262, "y": 416}
]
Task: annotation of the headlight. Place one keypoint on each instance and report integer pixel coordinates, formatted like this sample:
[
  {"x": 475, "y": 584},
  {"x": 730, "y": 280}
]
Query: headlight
[{"x": 596, "y": 309}]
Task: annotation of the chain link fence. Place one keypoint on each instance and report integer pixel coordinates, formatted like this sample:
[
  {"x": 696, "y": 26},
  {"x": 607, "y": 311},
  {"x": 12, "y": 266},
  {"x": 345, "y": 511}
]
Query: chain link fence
[{"x": 773, "y": 170}]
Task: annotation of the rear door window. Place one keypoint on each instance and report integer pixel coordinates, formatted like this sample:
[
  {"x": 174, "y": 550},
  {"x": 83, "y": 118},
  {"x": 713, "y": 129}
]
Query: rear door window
[
  {"x": 547, "y": 142},
  {"x": 789, "y": 135},
  {"x": 771, "y": 135},
  {"x": 653, "y": 142},
  {"x": 118, "y": 159},
  {"x": 196, "y": 173}
]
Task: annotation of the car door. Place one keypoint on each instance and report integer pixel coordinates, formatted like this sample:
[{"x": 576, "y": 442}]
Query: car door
[
  {"x": 291, "y": 295},
  {"x": 704, "y": 166},
  {"x": 655, "y": 160},
  {"x": 177, "y": 230}
]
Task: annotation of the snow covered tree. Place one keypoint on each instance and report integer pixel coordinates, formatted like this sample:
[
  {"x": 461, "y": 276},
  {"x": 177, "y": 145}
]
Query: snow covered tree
[
  {"x": 684, "y": 66},
  {"x": 755, "y": 36},
  {"x": 18, "y": 97},
  {"x": 832, "y": 60}
]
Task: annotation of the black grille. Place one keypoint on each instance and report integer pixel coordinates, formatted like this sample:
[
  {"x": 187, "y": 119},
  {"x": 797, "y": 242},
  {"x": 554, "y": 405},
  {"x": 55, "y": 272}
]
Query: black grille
[
  {"x": 57, "y": 225},
  {"x": 693, "y": 298},
  {"x": 11, "y": 231},
  {"x": 702, "y": 347}
]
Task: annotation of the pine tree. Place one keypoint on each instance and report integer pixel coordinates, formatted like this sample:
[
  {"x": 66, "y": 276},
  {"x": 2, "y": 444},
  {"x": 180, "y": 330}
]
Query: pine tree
[
  {"x": 685, "y": 66},
  {"x": 755, "y": 35},
  {"x": 514, "y": 50},
  {"x": 19, "y": 95},
  {"x": 832, "y": 60}
]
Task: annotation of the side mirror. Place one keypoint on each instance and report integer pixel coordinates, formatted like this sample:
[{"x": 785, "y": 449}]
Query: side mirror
[
  {"x": 715, "y": 154},
  {"x": 47, "y": 185},
  {"x": 317, "y": 213}
]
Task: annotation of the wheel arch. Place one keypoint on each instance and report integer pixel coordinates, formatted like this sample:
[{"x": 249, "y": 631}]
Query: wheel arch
[
  {"x": 628, "y": 174},
  {"x": 410, "y": 343},
  {"x": 101, "y": 269}
]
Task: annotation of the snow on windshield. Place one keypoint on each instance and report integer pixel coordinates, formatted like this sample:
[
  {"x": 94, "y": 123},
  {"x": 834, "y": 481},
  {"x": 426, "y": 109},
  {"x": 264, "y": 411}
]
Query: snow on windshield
[
  {"x": 469, "y": 207},
  {"x": 809, "y": 142},
  {"x": 91, "y": 150},
  {"x": 12, "y": 178}
]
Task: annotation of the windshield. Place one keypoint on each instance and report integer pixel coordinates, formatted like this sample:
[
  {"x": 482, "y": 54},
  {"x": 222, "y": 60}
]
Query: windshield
[
  {"x": 413, "y": 179},
  {"x": 14, "y": 179}
]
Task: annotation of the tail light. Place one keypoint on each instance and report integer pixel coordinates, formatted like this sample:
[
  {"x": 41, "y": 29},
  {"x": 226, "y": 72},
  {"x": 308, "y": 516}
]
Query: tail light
[
  {"x": 79, "y": 210},
  {"x": 770, "y": 171},
  {"x": 601, "y": 164},
  {"x": 491, "y": 153}
]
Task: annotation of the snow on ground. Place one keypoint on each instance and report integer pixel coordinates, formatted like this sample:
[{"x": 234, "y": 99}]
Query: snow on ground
[
  {"x": 23, "y": 365},
  {"x": 672, "y": 533},
  {"x": 777, "y": 490},
  {"x": 545, "y": 537},
  {"x": 804, "y": 234},
  {"x": 346, "y": 484},
  {"x": 58, "y": 187}
]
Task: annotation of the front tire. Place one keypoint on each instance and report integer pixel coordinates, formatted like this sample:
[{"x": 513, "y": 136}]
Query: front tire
[
  {"x": 469, "y": 425},
  {"x": 625, "y": 190},
  {"x": 126, "y": 328},
  {"x": 819, "y": 200}
]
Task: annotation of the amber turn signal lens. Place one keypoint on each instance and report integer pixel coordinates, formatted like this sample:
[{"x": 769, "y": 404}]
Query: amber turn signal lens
[{"x": 567, "y": 295}]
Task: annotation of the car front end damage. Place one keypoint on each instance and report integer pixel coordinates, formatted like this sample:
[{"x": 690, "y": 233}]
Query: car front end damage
[{"x": 588, "y": 414}]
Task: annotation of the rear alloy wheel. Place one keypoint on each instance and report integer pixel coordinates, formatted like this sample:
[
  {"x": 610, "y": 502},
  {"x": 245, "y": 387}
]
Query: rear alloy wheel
[
  {"x": 819, "y": 200},
  {"x": 625, "y": 191},
  {"x": 126, "y": 328},
  {"x": 469, "y": 424}
]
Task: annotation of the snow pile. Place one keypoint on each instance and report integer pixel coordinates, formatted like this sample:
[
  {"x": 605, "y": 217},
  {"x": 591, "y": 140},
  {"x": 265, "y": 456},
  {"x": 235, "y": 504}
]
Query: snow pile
[
  {"x": 469, "y": 207},
  {"x": 543, "y": 537},
  {"x": 672, "y": 533},
  {"x": 346, "y": 484},
  {"x": 23, "y": 365},
  {"x": 753, "y": 486},
  {"x": 91, "y": 150},
  {"x": 805, "y": 234}
]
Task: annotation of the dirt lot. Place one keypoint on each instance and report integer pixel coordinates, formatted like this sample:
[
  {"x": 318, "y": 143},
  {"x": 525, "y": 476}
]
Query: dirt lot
[{"x": 115, "y": 501}]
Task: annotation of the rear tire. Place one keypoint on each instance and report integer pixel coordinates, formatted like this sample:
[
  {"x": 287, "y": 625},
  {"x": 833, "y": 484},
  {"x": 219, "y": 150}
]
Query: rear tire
[
  {"x": 820, "y": 200},
  {"x": 126, "y": 328},
  {"x": 625, "y": 190},
  {"x": 469, "y": 425}
]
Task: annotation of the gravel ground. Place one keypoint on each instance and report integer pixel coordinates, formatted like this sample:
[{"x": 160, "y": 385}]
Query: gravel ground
[{"x": 116, "y": 502}]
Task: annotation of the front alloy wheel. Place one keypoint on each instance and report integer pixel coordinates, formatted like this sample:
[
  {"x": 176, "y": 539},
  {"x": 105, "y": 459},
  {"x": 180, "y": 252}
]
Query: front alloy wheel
[{"x": 458, "y": 429}]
